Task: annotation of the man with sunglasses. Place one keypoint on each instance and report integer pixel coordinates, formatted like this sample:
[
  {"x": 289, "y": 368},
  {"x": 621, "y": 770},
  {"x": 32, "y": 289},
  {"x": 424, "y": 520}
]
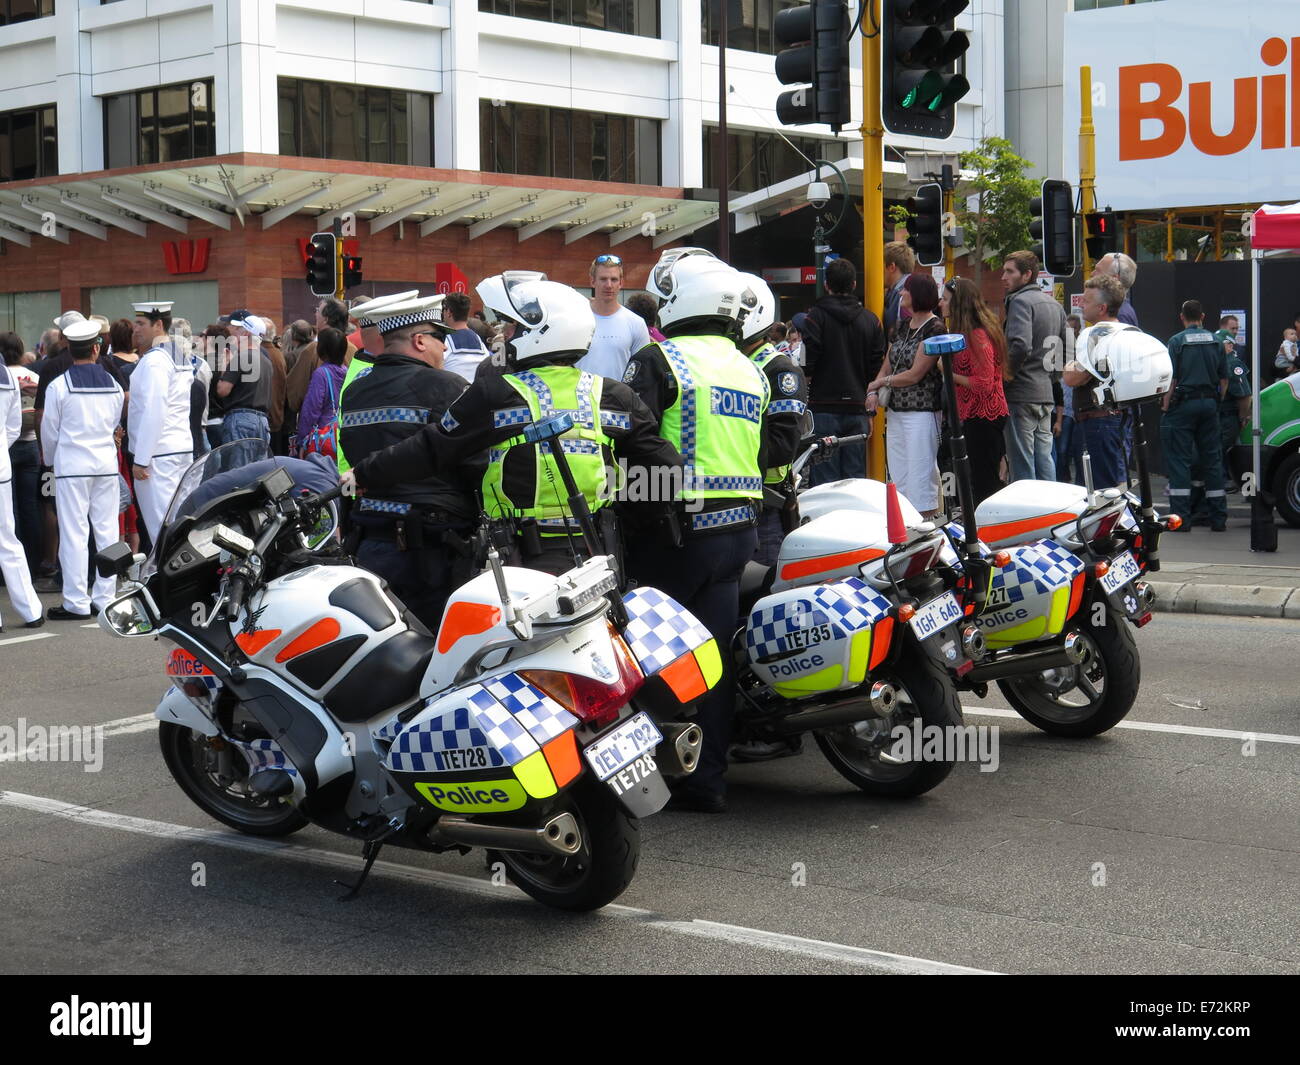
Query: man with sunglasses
[
  {"x": 415, "y": 534},
  {"x": 619, "y": 332}
]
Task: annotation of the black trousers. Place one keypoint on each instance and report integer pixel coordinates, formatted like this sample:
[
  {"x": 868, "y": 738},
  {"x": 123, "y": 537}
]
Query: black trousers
[
  {"x": 985, "y": 444},
  {"x": 704, "y": 576}
]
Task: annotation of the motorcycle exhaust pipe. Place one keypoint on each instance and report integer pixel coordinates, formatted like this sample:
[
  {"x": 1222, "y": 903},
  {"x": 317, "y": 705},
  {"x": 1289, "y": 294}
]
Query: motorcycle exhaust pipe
[
  {"x": 880, "y": 702},
  {"x": 1146, "y": 594},
  {"x": 1069, "y": 652},
  {"x": 973, "y": 642},
  {"x": 679, "y": 753},
  {"x": 559, "y": 836}
]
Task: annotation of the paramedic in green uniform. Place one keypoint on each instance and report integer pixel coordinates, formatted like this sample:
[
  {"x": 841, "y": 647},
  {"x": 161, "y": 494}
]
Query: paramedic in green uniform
[{"x": 1190, "y": 427}]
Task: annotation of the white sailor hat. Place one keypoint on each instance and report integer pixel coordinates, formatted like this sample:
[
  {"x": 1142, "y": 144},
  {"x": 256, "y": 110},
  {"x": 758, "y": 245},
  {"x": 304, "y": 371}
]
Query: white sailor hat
[
  {"x": 67, "y": 318},
  {"x": 153, "y": 308},
  {"x": 427, "y": 310},
  {"x": 81, "y": 330},
  {"x": 367, "y": 313}
]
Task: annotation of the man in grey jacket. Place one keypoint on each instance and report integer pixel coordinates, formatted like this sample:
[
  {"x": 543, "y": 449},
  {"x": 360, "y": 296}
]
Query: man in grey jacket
[{"x": 1036, "y": 354}]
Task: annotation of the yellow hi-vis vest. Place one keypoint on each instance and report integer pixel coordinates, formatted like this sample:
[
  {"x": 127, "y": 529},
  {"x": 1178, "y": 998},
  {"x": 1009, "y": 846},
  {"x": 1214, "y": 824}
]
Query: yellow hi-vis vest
[
  {"x": 761, "y": 357},
  {"x": 716, "y": 420},
  {"x": 545, "y": 391}
]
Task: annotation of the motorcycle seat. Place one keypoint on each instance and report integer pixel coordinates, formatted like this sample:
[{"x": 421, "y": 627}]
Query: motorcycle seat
[
  {"x": 755, "y": 582},
  {"x": 388, "y": 676}
]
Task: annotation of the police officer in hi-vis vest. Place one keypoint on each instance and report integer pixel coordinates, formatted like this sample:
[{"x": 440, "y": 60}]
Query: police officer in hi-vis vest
[
  {"x": 1189, "y": 429},
  {"x": 553, "y": 327},
  {"x": 711, "y": 403}
]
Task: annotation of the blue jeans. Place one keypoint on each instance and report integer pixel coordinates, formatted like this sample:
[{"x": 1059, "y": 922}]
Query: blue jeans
[
  {"x": 1029, "y": 442},
  {"x": 1104, "y": 441},
  {"x": 244, "y": 424},
  {"x": 850, "y": 461},
  {"x": 1069, "y": 452},
  {"x": 25, "y": 457}
]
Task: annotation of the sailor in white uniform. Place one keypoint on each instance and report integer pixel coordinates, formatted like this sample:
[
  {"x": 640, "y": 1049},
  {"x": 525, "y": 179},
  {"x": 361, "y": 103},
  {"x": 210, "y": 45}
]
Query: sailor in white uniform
[
  {"x": 158, "y": 417},
  {"x": 83, "y": 408},
  {"x": 13, "y": 562}
]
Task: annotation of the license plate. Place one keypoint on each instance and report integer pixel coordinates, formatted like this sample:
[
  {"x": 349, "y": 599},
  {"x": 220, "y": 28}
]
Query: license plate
[
  {"x": 625, "y": 744},
  {"x": 937, "y": 614},
  {"x": 1123, "y": 568}
]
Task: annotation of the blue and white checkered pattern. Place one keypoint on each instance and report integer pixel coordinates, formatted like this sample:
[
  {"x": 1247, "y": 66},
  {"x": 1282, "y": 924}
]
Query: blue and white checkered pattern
[
  {"x": 956, "y": 538},
  {"x": 538, "y": 387},
  {"x": 1042, "y": 567},
  {"x": 496, "y": 454},
  {"x": 586, "y": 416},
  {"x": 382, "y": 506},
  {"x": 659, "y": 629},
  {"x": 418, "y": 749},
  {"x": 384, "y": 415},
  {"x": 848, "y": 606},
  {"x": 615, "y": 419},
  {"x": 717, "y": 519},
  {"x": 541, "y": 715},
  {"x": 766, "y": 632},
  {"x": 786, "y": 406},
  {"x": 724, "y": 484},
  {"x": 580, "y": 447},
  {"x": 389, "y": 732},
  {"x": 686, "y": 386},
  {"x": 852, "y": 603},
  {"x": 448, "y": 423},
  {"x": 503, "y": 731},
  {"x": 264, "y": 754},
  {"x": 511, "y": 416},
  {"x": 362, "y": 373}
]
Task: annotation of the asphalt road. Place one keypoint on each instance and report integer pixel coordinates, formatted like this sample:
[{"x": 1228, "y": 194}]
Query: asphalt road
[{"x": 1159, "y": 847}]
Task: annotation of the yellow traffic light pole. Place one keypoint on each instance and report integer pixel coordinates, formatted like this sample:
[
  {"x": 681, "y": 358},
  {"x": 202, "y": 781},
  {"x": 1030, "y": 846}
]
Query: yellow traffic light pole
[
  {"x": 1087, "y": 163},
  {"x": 873, "y": 213}
]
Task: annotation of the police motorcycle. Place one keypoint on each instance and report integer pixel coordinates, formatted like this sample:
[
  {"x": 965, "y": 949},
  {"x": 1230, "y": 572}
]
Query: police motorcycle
[
  {"x": 1054, "y": 571},
  {"x": 533, "y": 724},
  {"x": 855, "y": 633}
]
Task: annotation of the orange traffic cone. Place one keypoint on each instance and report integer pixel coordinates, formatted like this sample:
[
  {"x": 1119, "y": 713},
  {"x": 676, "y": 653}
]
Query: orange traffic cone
[{"x": 894, "y": 515}]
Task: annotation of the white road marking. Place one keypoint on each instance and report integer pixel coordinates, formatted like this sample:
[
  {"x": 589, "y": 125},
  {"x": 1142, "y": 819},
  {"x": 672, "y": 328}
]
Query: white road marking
[
  {"x": 92, "y": 625},
  {"x": 1156, "y": 726},
  {"x": 839, "y": 953},
  {"x": 28, "y": 639}
]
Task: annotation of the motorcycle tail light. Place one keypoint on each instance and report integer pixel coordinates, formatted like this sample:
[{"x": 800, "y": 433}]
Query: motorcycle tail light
[
  {"x": 1002, "y": 559},
  {"x": 1173, "y": 521},
  {"x": 906, "y": 612},
  {"x": 592, "y": 701},
  {"x": 1100, "y": 569}
]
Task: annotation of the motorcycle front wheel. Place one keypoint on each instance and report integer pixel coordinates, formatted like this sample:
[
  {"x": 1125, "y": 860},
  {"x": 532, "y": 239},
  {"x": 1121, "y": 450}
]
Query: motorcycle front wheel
[
  {"x": 193, "y": 761},
  {"x": 925, "y": 692},
  {"x": 1087, "y": 699},
  {"x": 600, "y": 872}
]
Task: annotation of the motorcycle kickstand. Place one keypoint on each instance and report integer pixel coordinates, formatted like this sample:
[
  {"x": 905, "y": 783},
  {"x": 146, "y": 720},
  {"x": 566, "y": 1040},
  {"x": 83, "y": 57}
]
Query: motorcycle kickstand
[{"x": 369, "y": 851}]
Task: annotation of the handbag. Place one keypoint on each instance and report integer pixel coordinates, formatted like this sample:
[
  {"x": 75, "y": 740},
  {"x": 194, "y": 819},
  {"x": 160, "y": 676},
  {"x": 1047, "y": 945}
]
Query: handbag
[
  {"x": 883, "y": 394},
  {"x": 324, "y": 439}
]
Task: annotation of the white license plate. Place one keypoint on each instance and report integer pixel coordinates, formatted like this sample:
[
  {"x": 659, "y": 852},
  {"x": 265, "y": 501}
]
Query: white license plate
[
  {"x": 935, "y": 615},
  {"x": 1123, "y": 568},
  {"x": 625, "y": 744}
]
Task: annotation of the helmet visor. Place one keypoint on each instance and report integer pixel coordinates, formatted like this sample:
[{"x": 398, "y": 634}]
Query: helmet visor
[
  {"x": 524, "y": 304},
  {"x": 661, "y": 277}
]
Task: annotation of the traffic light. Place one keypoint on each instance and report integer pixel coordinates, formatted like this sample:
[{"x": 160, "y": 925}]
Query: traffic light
[
  {"x": 323, "y": 264},
  {"x": 1053, "y": 227},
  {"x": 1102, "y": 233},
  {"x": 919, "y": 49},
  {"x": 817, "y": 61},
  {"x": 351, "y": 271},
  {"x": 925, "y": 224}
]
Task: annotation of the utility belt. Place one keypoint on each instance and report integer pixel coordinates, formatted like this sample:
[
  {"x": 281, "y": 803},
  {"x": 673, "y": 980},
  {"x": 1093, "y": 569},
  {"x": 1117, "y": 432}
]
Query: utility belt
[
  {"x": 410, "y": 526},
  {"x": 1090, "y": 415},
  {"x": 740, "y": 514},
  {"x": 1201, "y": 392},
  {"x": 533, "y": 537}
]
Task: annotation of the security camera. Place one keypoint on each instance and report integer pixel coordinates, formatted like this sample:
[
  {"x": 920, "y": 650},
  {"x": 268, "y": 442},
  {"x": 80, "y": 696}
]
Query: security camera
[{"x": 819, "y": 194}]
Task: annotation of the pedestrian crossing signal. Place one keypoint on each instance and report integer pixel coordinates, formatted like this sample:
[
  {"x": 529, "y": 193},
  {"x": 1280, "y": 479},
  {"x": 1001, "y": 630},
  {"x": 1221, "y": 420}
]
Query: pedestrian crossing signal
[
  {"x": 351, "y": 271},
  {"x": 1103, "y": 233}
]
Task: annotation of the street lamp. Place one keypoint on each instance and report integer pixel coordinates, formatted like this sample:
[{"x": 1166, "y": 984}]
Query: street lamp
[{"x": 819, "y": 195}]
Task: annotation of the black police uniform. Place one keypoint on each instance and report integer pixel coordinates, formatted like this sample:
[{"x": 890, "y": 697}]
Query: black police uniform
[
  {"x": 416, "y": 533},
  {"x": 471, "y": 425},
  {"x": 780, "y": 447}
]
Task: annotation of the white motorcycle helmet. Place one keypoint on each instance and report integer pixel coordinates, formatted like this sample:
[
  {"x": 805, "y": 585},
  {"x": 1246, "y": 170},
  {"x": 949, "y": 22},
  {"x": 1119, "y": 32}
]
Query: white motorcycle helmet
[
  {"x": 661, "y": 281},
  {"x": 553, "y": 320},
  {"x": 704, "y": 296},
  {"x": 1129, "y": 364},
  {"x": 763, "y": 316}
]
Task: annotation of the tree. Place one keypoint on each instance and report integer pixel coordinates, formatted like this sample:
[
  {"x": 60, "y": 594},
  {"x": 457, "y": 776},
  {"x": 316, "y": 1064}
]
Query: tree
[{"x": 999, "y": 222}]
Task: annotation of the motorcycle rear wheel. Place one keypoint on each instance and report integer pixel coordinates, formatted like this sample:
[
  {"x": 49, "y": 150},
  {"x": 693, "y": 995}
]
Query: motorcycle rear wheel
[
  {"x": 187, "y": 754},
  {"x": 1087, "y": 699},
  {"x": 925, "y": 691},
  {"x": 600, "y": 872}
]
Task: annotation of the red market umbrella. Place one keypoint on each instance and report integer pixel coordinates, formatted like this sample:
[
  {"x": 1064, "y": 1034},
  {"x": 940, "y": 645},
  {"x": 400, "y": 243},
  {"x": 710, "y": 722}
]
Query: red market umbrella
[{"x": 1276, "y": 227}]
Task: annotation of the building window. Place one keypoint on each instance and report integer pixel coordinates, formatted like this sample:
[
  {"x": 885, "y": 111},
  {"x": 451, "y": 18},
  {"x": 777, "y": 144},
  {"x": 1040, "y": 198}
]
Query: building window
[
  {"x": 640, "y": 17},
  {"x": 163, "y": 125},
  {"x": 749, "y": 23},
  {"x": 757, "y": 160},
  {"x": 552, "y": 142},
  {"x": 29, "y": 144},
  {"x": 12, "y": 11},
  {"x": 362, "y": 123}
]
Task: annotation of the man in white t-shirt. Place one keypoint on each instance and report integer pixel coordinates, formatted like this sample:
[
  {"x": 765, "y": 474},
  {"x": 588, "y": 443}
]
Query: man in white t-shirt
[
  {"x": 465, "y": 348},
  {"x": 619, "y": 332}
]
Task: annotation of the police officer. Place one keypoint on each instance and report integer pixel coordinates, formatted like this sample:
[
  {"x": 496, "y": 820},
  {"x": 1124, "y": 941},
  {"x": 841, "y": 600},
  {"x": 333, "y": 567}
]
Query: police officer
[
  {"x": 82, "y": 410},
  {"x": 414, "y": 534},
  {"x": 711, "y": 403},
  {"x": 158, "y": 419},
  {"x": 13, "y": 560},
  {"x": 553, "y": 328},
  {"x": 789, "y": 391},
  {"x": 1234, "y": 412},
  {"x": 367, "y": 314},
  {"x": 1190, "y": 427}
]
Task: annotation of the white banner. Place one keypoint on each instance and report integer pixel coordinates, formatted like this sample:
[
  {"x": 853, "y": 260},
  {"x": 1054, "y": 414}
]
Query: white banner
[{"x": 1195, "y": 102}]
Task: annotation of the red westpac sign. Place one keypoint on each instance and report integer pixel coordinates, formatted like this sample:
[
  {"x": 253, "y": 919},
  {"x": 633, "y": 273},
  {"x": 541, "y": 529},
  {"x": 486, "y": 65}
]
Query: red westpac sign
[{"x": 187, "y": 256}]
